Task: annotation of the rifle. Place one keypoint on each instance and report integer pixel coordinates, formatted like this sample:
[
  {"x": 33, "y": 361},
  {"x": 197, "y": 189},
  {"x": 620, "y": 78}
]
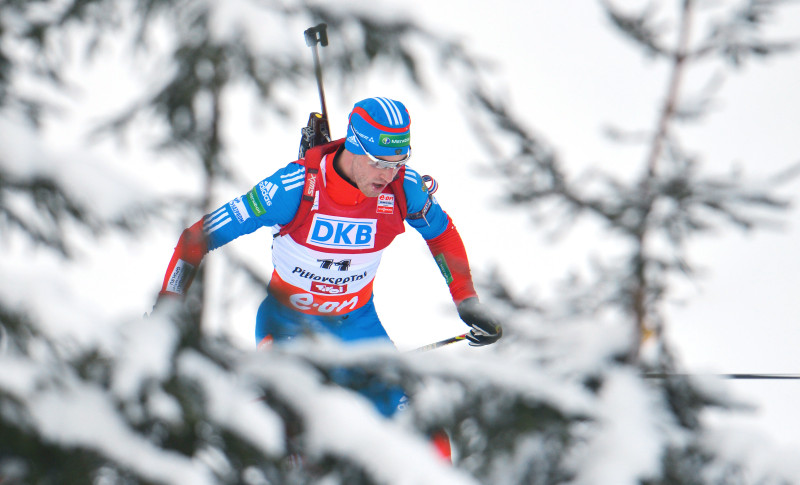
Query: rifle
[{"x": 317, "y": 131}]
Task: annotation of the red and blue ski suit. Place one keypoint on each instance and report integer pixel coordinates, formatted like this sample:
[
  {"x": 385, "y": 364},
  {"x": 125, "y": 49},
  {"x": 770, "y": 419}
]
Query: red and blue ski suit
[{"x": 325, "y": 256}]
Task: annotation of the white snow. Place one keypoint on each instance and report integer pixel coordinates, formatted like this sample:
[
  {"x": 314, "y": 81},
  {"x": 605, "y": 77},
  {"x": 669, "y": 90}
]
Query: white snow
[
  {"x": 344, "y": 424},
  {"x": 84, "y": 417},
  {"x": 64, "y": 409},
  {"x": 632, "y": 429},
  {"x": 234, "y": 406}
]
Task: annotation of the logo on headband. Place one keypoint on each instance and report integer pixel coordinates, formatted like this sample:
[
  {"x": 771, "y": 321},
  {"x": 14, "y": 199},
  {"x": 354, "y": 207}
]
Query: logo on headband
[
  {"x": 362, "y": 135},
  {"x": 394, "y": 140}
]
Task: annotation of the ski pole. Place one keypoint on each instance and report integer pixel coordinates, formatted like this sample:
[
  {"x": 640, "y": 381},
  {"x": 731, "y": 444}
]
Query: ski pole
[
  {"x": 441, "y": 343},
  {"x": 730, "y": 376}
]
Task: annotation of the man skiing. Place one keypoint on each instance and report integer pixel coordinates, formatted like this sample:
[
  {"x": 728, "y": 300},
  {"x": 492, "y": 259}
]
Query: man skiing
[{"x": 334, "y": 212}]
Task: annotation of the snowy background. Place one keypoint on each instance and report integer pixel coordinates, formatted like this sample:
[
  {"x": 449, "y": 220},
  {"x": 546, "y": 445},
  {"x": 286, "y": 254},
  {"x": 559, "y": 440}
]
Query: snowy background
[{"x": 569, "y": 73}]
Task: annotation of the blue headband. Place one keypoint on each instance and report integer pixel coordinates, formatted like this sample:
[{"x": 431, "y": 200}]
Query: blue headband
[{"x": 382, "y": 125}]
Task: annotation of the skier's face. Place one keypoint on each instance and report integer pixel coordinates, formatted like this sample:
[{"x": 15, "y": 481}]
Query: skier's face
[{"x": 369, "y": 177}]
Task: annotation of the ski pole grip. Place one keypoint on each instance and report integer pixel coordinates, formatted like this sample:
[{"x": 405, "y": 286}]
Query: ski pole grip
[{"x": 317, "y": 34}]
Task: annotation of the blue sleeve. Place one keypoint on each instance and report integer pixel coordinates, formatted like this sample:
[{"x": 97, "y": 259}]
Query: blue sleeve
[
  {"x": 434, "y": 220},
  {"x": 273, "y": 201}
]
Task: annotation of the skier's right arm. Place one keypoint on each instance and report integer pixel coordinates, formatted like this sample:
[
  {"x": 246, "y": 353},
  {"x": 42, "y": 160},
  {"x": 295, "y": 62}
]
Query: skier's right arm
[{"x": 273, "y": 201}]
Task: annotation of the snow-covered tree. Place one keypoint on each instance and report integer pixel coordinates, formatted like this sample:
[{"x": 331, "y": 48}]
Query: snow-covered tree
[
  {"x": 161, "y": 400},
  {"x": 116, "y": 407},
  {"x": 649, "y": 215}
]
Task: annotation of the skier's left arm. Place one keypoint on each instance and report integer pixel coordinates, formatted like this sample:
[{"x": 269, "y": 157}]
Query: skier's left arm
[
  {"x": 445, "y": 243},
  {"x": 273, "y": 201}
]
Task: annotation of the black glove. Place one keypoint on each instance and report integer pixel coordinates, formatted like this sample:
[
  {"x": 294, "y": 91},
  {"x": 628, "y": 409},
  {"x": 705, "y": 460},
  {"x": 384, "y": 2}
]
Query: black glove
[{"x": 485, "y": 330}]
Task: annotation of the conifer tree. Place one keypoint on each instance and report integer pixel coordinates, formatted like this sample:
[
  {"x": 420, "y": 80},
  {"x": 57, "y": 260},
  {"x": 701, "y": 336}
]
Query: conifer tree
[{"x": 654, "y": 215}]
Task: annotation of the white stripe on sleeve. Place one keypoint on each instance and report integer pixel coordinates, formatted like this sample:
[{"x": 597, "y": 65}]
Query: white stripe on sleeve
[{"x": 213, "y": 226}]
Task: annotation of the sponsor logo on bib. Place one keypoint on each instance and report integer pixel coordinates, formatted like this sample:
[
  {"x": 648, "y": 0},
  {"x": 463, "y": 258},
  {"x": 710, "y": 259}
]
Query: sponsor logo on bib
[
  {"x": 342, "y": 232},
  {"x": 385, "y": 204},
  {"x": 328, "y": 289}
]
